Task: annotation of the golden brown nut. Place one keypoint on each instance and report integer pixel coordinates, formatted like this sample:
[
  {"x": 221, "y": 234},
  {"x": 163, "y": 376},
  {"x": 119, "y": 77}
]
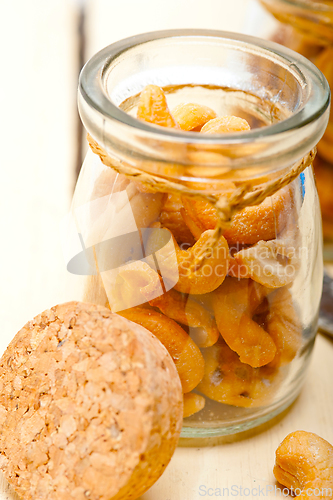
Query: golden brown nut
[
  {"x": 153, "y": 107},
  {"x": 184, "y": 352},
  {"x": 185, "y": 310},
  {"x": 172, "y": 219},
  {"x": 229, "y": 381},
  {"x": 225, "y": 125},
  {"x": 304, "y": 464},
  {"x": 91, "y": 406},
  {"x": 273, "y": 263},
  {"x": 211, "y": 274},
  {"x": 192, "y": 116},
  {"x": 252, "y": 224},
  {"x": 235, "y": 302},
  {"x": 283, "y": 325},
  {"x": 193, "y": 403}
]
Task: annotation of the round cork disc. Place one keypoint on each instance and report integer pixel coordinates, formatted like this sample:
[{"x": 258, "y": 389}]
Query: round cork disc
[{"x": 90, "y": 406}]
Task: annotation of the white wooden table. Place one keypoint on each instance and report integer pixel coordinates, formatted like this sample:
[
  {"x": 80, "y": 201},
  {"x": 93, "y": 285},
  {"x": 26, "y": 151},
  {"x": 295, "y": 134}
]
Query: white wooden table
[{"x": 38, "y": 72}]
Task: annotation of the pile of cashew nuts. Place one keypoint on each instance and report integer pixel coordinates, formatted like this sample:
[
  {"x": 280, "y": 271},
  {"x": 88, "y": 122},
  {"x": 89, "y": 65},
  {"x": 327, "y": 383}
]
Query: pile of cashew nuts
[{"x": 229, "y": 325}]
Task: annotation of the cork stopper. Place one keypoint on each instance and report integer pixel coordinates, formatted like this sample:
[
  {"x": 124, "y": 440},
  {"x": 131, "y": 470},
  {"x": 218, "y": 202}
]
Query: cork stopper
[{"x": 90, "y": 406}]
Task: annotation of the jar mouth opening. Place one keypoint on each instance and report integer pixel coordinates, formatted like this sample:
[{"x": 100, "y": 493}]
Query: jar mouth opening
[
  {"x": 94, "y": 75},
  {"x": 269, "y": 72}
]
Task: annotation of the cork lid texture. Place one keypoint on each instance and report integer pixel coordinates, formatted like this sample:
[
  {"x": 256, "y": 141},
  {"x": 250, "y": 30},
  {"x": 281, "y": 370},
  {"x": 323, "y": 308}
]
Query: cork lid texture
[{"x": 90, "y": 406}]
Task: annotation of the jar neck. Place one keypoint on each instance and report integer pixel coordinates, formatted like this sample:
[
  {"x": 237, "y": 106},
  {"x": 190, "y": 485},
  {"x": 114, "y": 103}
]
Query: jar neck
[{"x": 249, "y": 66}]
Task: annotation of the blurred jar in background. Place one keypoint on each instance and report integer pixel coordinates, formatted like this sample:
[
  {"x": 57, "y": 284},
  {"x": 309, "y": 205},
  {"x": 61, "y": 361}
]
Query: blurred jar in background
[{"x": 306, "y": 26}]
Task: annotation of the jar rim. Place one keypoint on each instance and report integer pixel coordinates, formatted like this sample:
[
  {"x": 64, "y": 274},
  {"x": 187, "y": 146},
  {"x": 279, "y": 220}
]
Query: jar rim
[{"x": 94, "y": 101}]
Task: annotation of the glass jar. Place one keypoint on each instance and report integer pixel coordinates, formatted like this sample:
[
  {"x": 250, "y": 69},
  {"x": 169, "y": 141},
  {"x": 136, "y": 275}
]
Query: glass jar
[
  {"x": 240, "y": 319},
  {"x": 307, "y": 27}
]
